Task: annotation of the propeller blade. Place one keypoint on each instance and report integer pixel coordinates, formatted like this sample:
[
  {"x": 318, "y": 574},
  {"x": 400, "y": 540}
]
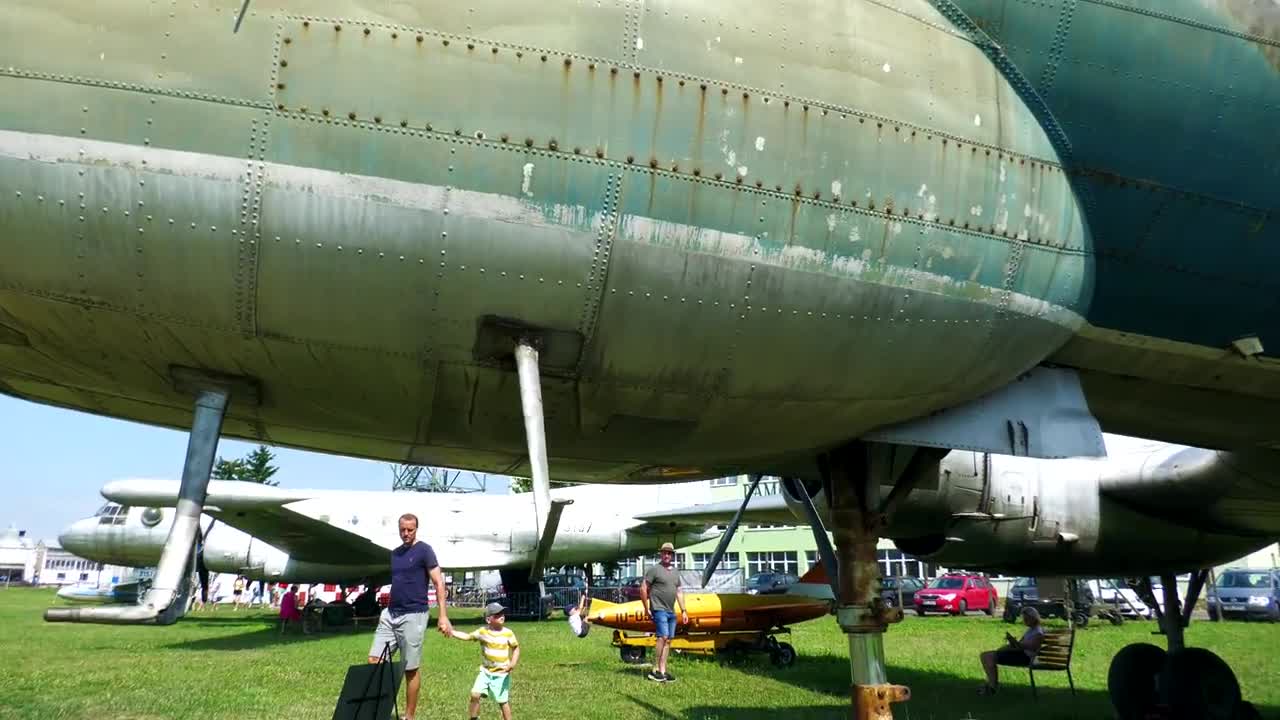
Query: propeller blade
[
  {"x": 728, "y": 533},
  {"x": 825, "y": 552}
]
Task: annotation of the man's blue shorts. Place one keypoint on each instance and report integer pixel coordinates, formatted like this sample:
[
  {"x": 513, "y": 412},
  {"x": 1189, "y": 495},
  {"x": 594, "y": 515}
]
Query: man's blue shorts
[{"x": 664, "y": 622}]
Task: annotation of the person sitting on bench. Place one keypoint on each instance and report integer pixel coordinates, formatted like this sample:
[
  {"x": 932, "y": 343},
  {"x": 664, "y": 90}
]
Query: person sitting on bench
[{"x": 1017, "y": 653}]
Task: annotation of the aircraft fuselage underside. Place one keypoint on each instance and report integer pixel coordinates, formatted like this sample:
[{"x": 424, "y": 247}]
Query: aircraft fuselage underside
[{"x": 345, "y": 211}]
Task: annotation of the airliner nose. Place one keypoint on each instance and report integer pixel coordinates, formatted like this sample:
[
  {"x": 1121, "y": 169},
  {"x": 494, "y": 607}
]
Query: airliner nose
[{"x": 78, "y": 537}]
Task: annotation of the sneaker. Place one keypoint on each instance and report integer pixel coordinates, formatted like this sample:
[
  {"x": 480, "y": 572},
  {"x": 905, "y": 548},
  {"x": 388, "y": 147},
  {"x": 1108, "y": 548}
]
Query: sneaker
[
  {"x": 668, "y": 677},
  {"x": 654, "y": 676}
]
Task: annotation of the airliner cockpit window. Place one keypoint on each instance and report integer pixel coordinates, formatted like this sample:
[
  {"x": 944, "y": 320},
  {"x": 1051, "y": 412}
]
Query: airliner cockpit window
[{"x": 113, "y": 514}]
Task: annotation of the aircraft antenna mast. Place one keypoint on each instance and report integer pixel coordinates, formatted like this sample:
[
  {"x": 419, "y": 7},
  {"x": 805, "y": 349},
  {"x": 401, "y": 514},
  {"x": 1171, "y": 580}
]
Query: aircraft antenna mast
[{"x": 424, "y": 478}]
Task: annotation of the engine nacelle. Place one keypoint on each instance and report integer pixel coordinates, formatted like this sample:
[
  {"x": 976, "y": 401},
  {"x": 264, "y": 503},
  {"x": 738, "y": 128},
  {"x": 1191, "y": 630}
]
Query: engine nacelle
[
  {"x": 228, "y": 550},
  {"x": 1149, "y": 509},
  {"x": 1027, "y": 516}
]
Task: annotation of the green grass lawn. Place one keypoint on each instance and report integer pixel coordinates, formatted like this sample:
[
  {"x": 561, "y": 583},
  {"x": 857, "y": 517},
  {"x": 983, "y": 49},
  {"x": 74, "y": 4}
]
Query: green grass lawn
[{"x": 236, "y": 666}]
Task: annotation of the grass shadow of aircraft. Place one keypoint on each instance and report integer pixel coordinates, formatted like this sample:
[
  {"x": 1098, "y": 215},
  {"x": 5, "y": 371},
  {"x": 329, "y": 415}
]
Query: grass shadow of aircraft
[{"x": 934, "y": 695}]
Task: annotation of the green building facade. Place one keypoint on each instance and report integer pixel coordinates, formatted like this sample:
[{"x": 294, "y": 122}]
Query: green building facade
[{"x": 784, "y": 548}]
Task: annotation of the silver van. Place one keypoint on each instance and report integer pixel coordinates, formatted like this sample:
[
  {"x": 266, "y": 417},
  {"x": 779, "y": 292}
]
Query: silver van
[{"x": 1247, "y": 594}]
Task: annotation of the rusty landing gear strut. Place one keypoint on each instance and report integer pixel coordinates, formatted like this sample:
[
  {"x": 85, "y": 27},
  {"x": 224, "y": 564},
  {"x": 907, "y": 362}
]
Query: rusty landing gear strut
[{"x": 853, "y": 476}]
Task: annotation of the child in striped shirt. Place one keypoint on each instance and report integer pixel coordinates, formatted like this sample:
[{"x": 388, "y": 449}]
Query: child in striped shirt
[{"x": 501, "y": 654}]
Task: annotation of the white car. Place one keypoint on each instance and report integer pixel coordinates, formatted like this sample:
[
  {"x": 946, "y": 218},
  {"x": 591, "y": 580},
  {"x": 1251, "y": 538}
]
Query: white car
[{"x": 1116, "y": 593}]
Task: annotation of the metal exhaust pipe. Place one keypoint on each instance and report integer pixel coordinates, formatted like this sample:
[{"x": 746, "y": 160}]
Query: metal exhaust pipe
[{"x": 166, "y": 599}]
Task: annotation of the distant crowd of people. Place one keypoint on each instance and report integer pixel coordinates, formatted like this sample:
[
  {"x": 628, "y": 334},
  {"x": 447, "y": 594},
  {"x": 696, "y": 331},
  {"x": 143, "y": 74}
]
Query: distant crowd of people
[{"x": 246, "y": 593}]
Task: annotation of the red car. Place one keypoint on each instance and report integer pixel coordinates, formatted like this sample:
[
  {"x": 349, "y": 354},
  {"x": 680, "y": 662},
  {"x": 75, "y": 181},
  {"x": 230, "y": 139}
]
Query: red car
[{"x": 957, "y": 593}]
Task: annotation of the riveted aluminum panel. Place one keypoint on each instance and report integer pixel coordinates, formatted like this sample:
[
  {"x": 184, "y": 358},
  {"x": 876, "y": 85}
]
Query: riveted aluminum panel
[
  {"x": 481, "y": 406},
  {"x": 135, "y": 118},
  {"x": 663, "y": 320},
  {"x": 876, "y": 58},
  {"x": 184, "y": 49},
  {"x": 467, "y": 250},
  {"x": 96, "y": 203},
  {"x": 642, "y": 117},
  {"x": 596, "y": 28}
]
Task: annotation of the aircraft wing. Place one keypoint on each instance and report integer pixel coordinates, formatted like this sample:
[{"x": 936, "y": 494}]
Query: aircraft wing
[
  {"x": 277, "y": 516},
  {"x": 771, "y": 509}
]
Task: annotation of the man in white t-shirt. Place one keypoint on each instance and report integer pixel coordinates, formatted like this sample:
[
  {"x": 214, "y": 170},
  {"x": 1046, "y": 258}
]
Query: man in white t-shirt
[{"x": 577, "y": 614}]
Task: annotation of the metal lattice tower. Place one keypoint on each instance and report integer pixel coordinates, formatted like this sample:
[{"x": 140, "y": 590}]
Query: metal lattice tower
[{"x": 422, "y": 478}]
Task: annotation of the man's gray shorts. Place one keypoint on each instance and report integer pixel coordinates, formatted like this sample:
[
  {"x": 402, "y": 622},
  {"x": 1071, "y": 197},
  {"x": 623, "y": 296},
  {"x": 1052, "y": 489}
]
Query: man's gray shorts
[{"x": 403, "y": 632}]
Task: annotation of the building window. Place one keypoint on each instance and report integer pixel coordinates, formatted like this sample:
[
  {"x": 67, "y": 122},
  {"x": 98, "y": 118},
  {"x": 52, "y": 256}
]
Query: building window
[
  {"x": 724, "y": 481},
  {"x": 62, "y": 576},
  {"x": 758, "y": 562},
  {"x": 895, "y": 563},
  {"x": 699, "y": 561},
  {"x": 84, "y": 576},
  {"x": 769, "y": 526}
]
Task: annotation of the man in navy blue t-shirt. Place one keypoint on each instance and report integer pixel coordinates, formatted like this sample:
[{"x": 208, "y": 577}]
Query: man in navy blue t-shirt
[{"x": 404, "y": 622}]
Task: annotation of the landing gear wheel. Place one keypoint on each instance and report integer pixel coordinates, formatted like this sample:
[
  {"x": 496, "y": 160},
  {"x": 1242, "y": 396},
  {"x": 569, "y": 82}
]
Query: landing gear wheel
[
  {"x": 1200, "y": 686},
  {"x": 962, "y": 608},
  {"x": 1010, "y": 613},
  {"x": 1131, "y": 680},
  {"x": 783, "y": 655},
  {"x": 1213, "y": 614},
  {"x": 991, "y": 609},
  {"x": 1082, "y": 620},
  {"x": 920, "y": 613},
  {"x": 631, "y": 654}
]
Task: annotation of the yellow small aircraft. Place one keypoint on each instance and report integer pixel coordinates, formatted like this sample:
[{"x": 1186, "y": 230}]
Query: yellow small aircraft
[{"x": 721, "y": 623}]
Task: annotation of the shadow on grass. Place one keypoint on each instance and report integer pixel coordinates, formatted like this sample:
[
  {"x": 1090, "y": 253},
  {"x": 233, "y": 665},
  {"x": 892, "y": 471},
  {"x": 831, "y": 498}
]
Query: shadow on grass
[
  {"x": 266, "y": 631},
  {"x": 222, "y": 620},
  {"x": 934, "y": 695},
  {"x": 263, "y": 638},
  {"x": 267, "y": 635}
]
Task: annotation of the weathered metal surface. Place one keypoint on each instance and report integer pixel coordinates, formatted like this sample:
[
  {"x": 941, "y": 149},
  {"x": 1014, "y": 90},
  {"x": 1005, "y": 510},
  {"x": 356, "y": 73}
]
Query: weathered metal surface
[
  {"x": 1168, "y": 110},
  {"x": 332, "y": 199},
  {"x": 875, "y": 702},
  {"x": 856, "y": 473},
  {"x": 1042, "y": 414}
]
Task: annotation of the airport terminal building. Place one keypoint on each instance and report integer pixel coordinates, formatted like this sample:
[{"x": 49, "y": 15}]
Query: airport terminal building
[{"x": 47, "y": 564}]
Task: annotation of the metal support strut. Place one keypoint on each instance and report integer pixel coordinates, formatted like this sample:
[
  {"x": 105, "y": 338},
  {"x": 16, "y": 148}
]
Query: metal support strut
[
  {"x": 546, "y": 511},
  {"x": 166, "y": 600},
  {"x": 861, "y": 612},
  {"x": 1172, "y": 622}
]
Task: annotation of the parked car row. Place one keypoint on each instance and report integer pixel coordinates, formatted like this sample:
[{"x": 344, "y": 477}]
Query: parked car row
[{"x": 1238, "y": 593}]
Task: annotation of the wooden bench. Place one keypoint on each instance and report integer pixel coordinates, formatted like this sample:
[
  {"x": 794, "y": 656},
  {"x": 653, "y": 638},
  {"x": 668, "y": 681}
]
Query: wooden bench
[{"x": 1054, "y": 656}]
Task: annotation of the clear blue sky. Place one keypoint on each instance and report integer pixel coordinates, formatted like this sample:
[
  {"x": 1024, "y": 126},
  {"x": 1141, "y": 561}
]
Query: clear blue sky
[{"x": 53, "y": 462}]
